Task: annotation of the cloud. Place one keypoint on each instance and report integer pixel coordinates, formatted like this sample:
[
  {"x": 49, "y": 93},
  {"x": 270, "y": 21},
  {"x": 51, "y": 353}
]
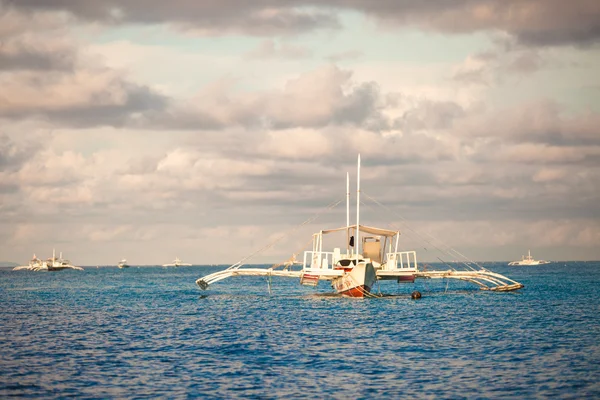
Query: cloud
[
  {"x": 429, "y": 115},
  {"x": 505, "y": 62},
  {"x": 206, "y": 18},
  {"x": 36, "y": 42},
  {"x": 321, "y": 97},
  {"x": 133, "y": 195},
  {"x": 531, "y": 22},
  {"x": 549, "y": 175},
  {"x": 268, "y": 49},
  {"x": 541, "y": 122},
  {"x": 21, "y": 55},
  {"x": 87, "y": 97},
  {"x": 14, "y": 155},
  {"x": 44, "y": 74},
  {"x": 345, "y": 55}
]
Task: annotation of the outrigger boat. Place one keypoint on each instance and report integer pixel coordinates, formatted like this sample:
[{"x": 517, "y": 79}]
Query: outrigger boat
[
  {"x": 177, "y": 263},
  {"x": 371, "y": 254},
  {"x": 51, "y": 264},
  {"x": 34, "y": 264}
]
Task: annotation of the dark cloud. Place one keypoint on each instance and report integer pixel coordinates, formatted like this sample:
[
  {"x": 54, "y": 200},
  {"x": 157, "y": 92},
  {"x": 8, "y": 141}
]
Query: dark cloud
[
  {"x": 526, "y": 63},
  {"x": 539, "y": 123},
  {"x": 258, "y": 18},
  {"x": 25, "y": 59},
  {"x": 100, "y": 108},
  {"x": 13, "y": 155},
  {"x": 139, "y": 99},
  {"x": 429, "y": 115},
  {"x": 319, "y": 98},
  {"x": 532, "y": 22}
]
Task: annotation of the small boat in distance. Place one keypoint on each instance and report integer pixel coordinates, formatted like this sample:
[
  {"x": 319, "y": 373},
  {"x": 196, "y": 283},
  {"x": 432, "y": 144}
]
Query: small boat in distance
[
  {"x": 58, "y": 264},
  {"x": 34, "y": 264},
  {"x": 177, "y": 263},
  {"x": 51, "y": 264},
  {"x": 123, "y": 264},
  {"x": 528, "y": 260}
]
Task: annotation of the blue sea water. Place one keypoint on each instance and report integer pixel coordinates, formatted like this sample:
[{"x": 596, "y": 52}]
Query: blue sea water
[{"x": 150, "y": 332}]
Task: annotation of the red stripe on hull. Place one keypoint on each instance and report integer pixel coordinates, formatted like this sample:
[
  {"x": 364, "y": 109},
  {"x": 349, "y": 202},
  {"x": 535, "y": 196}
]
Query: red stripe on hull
[{"x": 358, "y": 291}]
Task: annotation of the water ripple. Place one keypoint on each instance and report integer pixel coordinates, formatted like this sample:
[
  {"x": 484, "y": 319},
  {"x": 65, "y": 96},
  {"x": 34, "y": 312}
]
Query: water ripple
[{"x": 150, "y": 332}]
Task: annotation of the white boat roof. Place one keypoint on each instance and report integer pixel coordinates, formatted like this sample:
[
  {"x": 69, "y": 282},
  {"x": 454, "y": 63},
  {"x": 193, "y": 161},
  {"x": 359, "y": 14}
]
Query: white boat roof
[{"x": 366, "y": 229}]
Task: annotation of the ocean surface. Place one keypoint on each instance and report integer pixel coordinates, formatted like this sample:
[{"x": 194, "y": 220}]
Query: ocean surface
[{"x": 150, "y": 332}]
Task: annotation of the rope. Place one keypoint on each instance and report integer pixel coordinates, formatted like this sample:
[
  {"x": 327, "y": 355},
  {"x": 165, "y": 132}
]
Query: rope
[
  {"x": 240, "y": 263},
  {"x": 293, "y": 257},
  {"x": 424, "y": 239}
]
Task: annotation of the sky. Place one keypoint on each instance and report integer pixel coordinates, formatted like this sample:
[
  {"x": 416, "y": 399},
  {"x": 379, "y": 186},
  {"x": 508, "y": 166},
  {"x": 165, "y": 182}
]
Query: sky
[{"x": 146, "y": 130}]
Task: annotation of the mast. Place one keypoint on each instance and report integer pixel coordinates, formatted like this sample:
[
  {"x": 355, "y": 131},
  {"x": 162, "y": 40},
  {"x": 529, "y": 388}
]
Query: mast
[
  {"x": 357, "y": 241},
  {"x": 347, "y": 213}
]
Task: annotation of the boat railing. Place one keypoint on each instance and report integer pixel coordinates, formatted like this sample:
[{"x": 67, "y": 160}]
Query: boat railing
[
  {"x": 320, "y": 259},
  {"x": 403, "y": 260}
]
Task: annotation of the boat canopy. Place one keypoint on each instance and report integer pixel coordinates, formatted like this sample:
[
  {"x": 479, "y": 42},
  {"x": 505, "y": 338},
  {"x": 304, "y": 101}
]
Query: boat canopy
[{"x": 365, "y": 229}]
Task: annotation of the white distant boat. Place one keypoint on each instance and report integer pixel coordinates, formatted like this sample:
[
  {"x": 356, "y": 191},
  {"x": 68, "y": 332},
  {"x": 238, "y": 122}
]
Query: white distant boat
[
  {"x": 58, "y": 264},
  {"x": 51, "y": 264},
  {"x": 369, "y": 254},
  {"x": 123, "y": 264},
  {"x": 528, "y": 260},
  {"x": 34, "y": 264},
  {"x": 177, "y": 263}
]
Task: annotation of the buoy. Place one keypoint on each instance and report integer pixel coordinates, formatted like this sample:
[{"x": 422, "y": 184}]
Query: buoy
[{"x": 415, "y": 295}]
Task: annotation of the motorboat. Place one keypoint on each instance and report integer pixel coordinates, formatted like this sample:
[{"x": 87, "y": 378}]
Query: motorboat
[
  {"x": 528, "y": 260},
  {"x": 177, "y": 263},
  {"x": 123, "y": 264}
]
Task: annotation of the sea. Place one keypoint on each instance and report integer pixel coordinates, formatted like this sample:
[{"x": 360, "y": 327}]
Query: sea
[{"x": 150, "y": 332}]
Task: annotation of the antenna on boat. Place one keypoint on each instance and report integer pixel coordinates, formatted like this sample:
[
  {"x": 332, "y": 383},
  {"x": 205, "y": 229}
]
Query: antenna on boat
[
  {"x": 357, "y": 241},
  {"x": 347, "y": 213}
]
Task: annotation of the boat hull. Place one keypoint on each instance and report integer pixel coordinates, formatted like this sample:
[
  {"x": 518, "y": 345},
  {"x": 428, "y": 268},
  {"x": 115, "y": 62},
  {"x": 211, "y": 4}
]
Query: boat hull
[
  {"x": 406, "y": 279},
  {"x": 356, "y": 282},
  {"x": 527, "y": 263}
]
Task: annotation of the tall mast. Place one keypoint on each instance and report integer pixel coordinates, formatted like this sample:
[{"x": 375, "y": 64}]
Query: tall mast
[
  {"x": 347, "y": 213},
  {"x": 357, "y": 241}
]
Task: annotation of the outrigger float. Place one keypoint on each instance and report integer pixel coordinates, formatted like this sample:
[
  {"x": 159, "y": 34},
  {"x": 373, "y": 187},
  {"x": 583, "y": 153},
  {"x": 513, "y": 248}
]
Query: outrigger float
[{"x": 371, "y": 254}]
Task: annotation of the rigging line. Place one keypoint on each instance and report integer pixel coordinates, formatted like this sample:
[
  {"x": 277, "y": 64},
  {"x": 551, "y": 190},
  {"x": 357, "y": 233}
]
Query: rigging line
[
  {"x": 283, "y": 235},
  {"x": 293, "y": 257},
  {"x": 444, "y": 262},
  {"x": 449, "y": 248},
  {"x": 417, "y": 233}
]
